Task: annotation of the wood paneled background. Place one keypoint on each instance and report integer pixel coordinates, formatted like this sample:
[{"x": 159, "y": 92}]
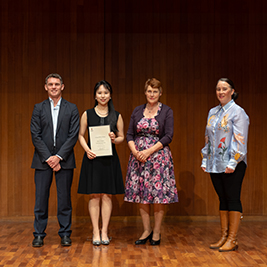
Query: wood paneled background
[{"x": 188, "y": 45}]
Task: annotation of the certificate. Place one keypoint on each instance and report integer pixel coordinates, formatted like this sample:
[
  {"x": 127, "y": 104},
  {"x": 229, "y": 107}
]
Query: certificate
[{"x": 100, "y": 140}]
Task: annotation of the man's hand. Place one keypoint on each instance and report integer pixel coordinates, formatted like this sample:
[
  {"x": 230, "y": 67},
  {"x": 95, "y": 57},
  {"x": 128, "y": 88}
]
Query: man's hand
[
  {"x": 57, "y": 168},
  {"x": 53, "y": 161}
]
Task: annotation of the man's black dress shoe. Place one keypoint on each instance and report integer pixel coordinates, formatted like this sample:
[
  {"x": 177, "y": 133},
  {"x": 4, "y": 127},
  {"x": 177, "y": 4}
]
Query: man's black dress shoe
[
  {"x": 38, "y": 241},
  {"x": 143, "y": 241},
  {"x": 65, "y": 241},
  {"x": 155, "y": 243}
]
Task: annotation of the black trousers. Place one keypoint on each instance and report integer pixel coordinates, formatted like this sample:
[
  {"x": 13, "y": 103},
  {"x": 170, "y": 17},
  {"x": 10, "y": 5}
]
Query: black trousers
[
  {"x": 43, "y": 180},
  {"x": 228, "y": 187}
]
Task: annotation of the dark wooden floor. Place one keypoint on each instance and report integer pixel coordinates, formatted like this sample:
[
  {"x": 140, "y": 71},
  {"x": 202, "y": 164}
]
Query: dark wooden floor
[{"x": 183, "y": 244}]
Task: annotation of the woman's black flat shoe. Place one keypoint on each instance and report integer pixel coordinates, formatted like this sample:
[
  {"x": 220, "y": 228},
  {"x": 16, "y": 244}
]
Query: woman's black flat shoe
[
  {"x": 155, "y": 243},
  {"x": 143, "y": 241}
]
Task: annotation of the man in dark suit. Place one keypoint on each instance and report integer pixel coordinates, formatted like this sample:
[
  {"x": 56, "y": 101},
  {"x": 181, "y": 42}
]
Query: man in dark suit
[{"x": 54, "y": 130}]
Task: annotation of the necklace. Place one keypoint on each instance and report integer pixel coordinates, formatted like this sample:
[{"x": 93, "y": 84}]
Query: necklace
[
  {"x": 150, "y": 110},
  {"x": 102, "y": 114}
]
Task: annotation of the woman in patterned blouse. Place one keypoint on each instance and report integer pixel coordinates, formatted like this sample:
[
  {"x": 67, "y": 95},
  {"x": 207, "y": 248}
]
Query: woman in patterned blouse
[{"x": 225, "y": 158}]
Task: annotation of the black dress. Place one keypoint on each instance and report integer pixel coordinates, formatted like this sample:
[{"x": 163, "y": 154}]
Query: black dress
[{"x": 102, "y": 174}]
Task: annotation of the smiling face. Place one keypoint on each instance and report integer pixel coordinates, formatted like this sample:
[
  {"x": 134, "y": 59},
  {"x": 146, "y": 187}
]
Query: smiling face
[
  {"x": 224, "y": 92},
  {"x": 54, "y": 88},
  {"x": 152, "y": 95},
  {"x": 102, "y": 95}
]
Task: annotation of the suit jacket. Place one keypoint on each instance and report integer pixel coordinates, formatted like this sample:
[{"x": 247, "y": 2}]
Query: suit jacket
[{"x": 43, "y": 137}]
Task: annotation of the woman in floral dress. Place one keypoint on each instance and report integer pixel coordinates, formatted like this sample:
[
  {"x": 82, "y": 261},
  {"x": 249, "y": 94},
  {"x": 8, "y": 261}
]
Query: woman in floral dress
[
  {"x": 225, "y": 158},
  {"x": 150, "y": 174}
]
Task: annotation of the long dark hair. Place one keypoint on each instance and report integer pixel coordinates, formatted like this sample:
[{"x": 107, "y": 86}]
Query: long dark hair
[
  {"x": 232, "y": 86},
  {"x": 111, "y": 118}
]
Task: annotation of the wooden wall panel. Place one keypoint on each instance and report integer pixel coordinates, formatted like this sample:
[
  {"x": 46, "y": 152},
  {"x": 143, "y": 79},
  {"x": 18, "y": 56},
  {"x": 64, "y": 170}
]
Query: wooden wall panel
[
  {"x": 188, "y": 45},
  {"x": 38, "y": 38}
]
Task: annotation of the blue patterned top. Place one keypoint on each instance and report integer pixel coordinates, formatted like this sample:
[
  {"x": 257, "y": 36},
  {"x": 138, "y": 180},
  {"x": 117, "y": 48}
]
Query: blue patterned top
[{"x": 225, "y": 138}]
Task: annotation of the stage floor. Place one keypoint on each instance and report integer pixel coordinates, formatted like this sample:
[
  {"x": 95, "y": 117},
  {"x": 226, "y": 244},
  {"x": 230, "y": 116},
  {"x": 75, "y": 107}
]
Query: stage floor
[{"x": 184, "y": 243}]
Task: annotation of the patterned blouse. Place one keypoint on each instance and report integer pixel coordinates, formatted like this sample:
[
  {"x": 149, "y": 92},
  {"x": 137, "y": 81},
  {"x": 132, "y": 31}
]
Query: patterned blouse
[{"x": 225, "y": 138}]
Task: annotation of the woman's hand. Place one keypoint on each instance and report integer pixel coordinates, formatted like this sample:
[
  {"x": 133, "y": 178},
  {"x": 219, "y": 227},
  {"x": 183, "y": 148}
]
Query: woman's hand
[
  {"x": 229, "y": 170},
  {"x": 112, "y": 137},
  {"x": 203, "y": 169},
  {"x": 90, "y": 154},
  {"x": 139, "y": 155},
  {"x": 143, "y": 155}
]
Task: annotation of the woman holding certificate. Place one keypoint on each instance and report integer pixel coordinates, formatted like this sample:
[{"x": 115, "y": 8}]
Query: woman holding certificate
[
  {"x": 150, "y": 175},
  {"x": 101, "y": 175}
]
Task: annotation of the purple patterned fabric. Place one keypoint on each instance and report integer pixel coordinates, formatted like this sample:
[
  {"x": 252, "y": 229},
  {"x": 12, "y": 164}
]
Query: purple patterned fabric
[
  {"x": 164, "y": 119},
  {"x": 153, "y": 181}
]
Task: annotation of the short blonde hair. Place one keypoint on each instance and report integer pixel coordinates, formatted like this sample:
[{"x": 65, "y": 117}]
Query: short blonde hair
[{"x": 154, "y": 83}]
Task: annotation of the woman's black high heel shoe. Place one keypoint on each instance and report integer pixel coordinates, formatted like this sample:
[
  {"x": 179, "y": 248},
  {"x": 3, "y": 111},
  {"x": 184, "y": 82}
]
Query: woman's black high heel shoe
[
  {"x": 143, "y": 241},
  {"x": 155, "y": 243}
]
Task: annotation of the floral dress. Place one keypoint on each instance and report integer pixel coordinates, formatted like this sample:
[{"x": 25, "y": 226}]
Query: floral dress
[{"x": 153, "y": 181}]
